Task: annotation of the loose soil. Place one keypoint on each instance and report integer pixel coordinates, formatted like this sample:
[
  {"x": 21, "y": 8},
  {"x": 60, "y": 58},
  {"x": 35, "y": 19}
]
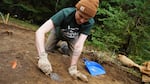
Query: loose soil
[{"x": 18, "y": 44}]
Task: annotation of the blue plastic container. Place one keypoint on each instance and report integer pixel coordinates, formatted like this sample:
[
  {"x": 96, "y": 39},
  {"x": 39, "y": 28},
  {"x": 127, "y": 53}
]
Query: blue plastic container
[{"x": 94, "y": 68}]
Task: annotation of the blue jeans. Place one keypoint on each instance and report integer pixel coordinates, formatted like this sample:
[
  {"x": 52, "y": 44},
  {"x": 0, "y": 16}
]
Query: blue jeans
[{"x": 53, "y": 40}]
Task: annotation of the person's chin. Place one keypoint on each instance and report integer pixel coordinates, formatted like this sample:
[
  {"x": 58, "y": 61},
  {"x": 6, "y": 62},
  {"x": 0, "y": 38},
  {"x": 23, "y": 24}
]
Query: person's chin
[{"x": 79, "y": 23}]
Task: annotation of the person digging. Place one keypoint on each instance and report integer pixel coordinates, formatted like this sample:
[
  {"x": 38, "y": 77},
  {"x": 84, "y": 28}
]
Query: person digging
[{"x": 71, "y": 25}]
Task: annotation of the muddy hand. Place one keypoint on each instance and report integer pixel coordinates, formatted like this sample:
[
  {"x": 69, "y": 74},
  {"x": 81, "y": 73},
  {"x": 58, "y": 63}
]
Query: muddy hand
[
  {"x": 76, "y": 74},
  {"x": 44, "y": 64}
]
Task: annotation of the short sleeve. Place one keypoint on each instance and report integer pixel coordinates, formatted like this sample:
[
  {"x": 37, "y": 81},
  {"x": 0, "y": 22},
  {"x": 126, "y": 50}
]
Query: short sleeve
[
  {"x": 58, "y": 18},
  {"x": 86, "y": 28}
]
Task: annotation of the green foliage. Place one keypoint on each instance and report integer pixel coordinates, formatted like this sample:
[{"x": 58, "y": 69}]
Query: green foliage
[
  {"x": 114, "y": 24},
  {"x": 123, "y": 26},
  {"x": 2, "y": 16},
  {"x": 96, "y": 40},
  {"x": 139, "y": 44},
  {"x": 34, "y": 11},
  {"x": 8, "y": 1}
]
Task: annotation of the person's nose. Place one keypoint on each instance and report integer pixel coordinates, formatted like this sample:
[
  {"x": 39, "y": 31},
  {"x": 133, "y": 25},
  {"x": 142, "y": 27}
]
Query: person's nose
[{"x": 82, "y": 20}]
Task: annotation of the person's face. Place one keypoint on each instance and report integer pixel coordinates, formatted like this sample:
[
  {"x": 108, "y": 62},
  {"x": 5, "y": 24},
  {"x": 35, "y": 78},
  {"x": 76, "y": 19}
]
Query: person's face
[{"x": 79, "y": 18}]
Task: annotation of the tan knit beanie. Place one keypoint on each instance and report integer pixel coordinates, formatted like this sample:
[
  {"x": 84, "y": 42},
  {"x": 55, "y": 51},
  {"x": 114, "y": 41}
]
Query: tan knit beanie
[{"x": 88, "y": 7}]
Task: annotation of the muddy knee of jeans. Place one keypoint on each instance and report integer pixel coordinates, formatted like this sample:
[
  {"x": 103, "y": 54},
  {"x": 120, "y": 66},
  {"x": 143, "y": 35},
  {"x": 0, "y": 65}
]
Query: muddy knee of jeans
[
  {"x": 65, "y": 49},
  {"x": 61, "y": 44},
  {"x": 52, "y": 50}
]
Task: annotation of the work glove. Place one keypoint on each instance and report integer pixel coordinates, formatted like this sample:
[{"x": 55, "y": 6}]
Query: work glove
[
  {"x": 44, "y": 64},
  {"x": 77, "y": 74}
]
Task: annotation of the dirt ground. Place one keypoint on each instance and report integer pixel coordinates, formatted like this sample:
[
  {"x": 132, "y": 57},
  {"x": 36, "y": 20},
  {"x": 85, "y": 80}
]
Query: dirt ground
[{"x": 18, "y": 45}]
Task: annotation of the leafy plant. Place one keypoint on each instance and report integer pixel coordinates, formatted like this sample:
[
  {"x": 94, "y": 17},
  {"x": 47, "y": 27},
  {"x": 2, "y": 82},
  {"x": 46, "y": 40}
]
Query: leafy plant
[
  {"x": 123, "y": 26},
  {"x": 3, "y": 18}
]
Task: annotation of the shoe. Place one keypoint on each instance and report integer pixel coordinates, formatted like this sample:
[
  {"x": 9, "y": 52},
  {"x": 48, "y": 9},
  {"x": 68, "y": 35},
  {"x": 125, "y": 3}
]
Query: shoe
[{"x": 63, "y": 47}]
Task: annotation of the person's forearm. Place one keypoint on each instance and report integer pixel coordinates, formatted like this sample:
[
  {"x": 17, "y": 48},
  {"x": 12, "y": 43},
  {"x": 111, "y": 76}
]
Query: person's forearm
[
  {"x": 40, "y": 35},
  {"x": 75, "y": 56},
  {"x": 40, "y": 42},
  {"x": 78, "y": 49}
]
